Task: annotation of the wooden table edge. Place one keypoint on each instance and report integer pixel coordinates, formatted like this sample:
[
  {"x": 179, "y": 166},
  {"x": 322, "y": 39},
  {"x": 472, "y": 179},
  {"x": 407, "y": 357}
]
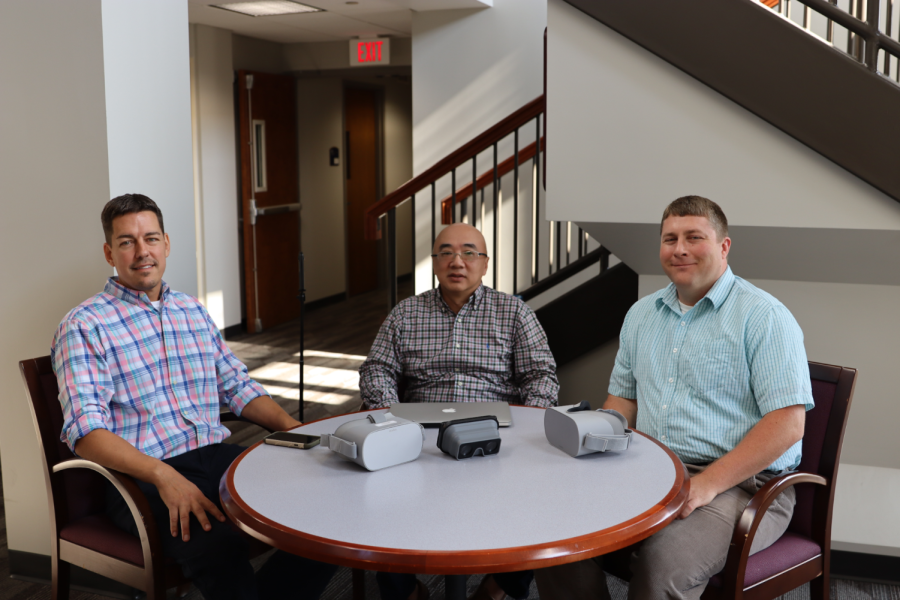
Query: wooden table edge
[{"x": 496, "y": 560}]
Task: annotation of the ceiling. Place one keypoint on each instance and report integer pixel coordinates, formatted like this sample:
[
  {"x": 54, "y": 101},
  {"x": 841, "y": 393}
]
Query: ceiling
[{"x": 340, "y": 21}]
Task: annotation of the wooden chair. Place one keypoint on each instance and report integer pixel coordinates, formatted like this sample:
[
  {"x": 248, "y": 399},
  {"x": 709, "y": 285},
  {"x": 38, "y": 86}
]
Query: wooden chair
[
  {"x": 803, "y": 554},
  {"x": 81, "y": 532}
]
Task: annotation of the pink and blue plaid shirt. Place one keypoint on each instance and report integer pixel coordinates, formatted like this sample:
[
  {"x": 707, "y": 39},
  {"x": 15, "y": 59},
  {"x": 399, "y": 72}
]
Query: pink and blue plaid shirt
[{"x": 154, "y": 377}]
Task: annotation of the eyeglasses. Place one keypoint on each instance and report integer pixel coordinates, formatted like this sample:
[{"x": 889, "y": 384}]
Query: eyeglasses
[{"x": 467, "y": 256}]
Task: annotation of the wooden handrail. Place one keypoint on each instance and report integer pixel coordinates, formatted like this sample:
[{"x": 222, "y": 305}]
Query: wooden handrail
[
  {"x": 484, "y": 180},
  {"x": 465, "y": 152}
]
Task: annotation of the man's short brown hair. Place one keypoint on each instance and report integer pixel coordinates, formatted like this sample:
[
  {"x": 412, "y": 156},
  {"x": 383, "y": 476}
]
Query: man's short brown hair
[
  {"x": 125, "y": 205},
  {"x": 698, "y": 206}
]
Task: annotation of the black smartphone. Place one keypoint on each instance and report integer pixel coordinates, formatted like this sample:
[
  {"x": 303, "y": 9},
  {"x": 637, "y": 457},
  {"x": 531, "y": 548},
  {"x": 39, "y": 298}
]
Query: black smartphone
[{"x": 292, "y": 440}]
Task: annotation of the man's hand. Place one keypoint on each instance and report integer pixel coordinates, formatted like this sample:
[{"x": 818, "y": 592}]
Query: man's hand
[
  {"x": 702, "y": 493},
  {"x": 183, "y": 498},
  {"x": 764, "y": 443}
]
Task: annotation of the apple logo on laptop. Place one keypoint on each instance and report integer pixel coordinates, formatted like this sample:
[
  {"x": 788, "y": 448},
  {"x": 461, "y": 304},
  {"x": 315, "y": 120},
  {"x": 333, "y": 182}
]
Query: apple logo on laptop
[{"x": 448, "y": 410}]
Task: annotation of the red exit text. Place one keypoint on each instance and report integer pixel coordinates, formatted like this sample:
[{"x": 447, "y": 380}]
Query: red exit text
[{"x": 369, "y": 51}]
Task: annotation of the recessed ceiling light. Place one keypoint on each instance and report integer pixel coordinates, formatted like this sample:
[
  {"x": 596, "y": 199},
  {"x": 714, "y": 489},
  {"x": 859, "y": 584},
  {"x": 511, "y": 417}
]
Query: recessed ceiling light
[{"x": 267, "y": 8}]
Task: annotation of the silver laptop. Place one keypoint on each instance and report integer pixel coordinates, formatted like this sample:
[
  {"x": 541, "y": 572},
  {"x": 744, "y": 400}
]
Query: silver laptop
[{"x": 432, "y": 414}]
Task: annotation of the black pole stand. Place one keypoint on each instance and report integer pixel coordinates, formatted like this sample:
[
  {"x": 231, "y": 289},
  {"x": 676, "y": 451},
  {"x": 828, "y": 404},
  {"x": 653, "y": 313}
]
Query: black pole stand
[{"x": 302, "y": 318}]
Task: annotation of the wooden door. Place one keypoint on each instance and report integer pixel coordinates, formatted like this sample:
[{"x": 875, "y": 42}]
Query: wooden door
[
  {"x": 361, "y": 146},
  {"x": 269, "y": 181}
]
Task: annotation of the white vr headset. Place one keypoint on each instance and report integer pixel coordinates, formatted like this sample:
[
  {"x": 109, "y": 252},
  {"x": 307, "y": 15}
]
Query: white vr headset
[
  {"x": 378, "y": 441},
  {"x": 578, "y": 430}
]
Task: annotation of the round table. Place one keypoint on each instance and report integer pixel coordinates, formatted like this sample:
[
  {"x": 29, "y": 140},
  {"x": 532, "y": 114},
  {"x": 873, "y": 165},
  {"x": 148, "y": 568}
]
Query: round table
[{"x": 527, "y": 507}]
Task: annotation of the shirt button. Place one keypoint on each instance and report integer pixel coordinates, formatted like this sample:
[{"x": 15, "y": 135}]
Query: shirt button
[
  {"x": 671, "y": 379},
  {"x": 665, "y": 406},
  {"x": 457, "y": 345},
  {"x": 682, "y": 323},
  {"x": 662, "y": 437},
  {"x": 459, "y": 384},
  {"x": 675, "y": 350}
]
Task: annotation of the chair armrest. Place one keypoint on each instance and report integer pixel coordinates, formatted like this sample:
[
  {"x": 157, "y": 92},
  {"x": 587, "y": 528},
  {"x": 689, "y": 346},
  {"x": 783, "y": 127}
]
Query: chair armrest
[
  {"x": 230, "y": 416},
  {"x": 137, "y": 504},
  {"x": 745, "y": 530}
]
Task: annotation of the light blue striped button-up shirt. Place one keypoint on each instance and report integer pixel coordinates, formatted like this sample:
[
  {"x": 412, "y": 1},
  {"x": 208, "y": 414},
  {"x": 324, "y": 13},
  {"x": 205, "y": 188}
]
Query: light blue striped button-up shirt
[{"x": 703, "y": 379}]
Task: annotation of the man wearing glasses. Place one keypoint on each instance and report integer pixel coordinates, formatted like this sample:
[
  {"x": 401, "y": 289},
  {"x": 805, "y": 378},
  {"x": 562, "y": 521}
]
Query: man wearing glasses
[{"x": 460, "y": 342}]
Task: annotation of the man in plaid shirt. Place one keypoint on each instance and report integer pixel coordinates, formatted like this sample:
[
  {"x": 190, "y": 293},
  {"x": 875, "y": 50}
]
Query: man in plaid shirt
[
  {"x": 142, "y": 372},
  {"x": 461, "y": 342}
]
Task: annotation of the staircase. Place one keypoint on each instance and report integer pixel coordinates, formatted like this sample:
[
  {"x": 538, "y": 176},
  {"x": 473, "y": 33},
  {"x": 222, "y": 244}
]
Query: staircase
[
  {"x": 530, "y": 256},
  {"x": 832, "y": 92}
]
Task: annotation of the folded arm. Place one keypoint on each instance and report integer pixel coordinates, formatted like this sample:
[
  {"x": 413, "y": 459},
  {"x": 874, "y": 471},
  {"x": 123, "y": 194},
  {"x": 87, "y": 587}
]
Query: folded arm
[
  {"x": 264, "y": 411},
  {"x": 533, "y": 363},
  {"x": 379, "y": 374}
]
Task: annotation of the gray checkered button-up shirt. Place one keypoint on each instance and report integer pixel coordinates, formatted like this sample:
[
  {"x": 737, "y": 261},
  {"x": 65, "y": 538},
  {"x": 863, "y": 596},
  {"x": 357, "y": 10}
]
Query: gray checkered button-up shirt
[{"x": 493, "y": 350}]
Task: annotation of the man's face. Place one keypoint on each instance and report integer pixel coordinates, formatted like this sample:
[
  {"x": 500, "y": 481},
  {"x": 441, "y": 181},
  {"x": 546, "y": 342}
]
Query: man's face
[
  {"x": 457, "y": 276},
  {"x": 138, "y": 251},
  {"x": 692, "y": 256}
]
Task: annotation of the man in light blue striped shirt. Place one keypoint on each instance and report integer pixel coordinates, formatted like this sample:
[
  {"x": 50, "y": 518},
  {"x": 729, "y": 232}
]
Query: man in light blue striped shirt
[{"x": 714, "y": 368}]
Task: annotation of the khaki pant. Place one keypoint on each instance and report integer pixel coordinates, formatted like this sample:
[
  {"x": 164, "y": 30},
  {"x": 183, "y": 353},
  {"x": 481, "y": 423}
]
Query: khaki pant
[{"x": 678, "y": 561}]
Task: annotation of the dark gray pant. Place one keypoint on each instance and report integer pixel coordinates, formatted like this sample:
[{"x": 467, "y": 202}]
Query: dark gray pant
[
  {"x": 217, "y": 561},
  {"x": 678, "y": 561}
]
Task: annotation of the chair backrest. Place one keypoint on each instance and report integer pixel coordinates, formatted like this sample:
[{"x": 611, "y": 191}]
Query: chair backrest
[
  {"x": 75, "y": 493},
  {"x": 832, "y": 390}
]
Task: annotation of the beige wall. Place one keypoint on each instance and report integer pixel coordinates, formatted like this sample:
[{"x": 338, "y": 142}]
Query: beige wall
[
  {"x": 398, "y": 160},
  {"x": 53, "y": 181},
  {"x": 215, "y": 174},
  {"x": 251, "y": 54},
  {"x": 320, "y": 126},
  {"x": 60, "y": 123}
]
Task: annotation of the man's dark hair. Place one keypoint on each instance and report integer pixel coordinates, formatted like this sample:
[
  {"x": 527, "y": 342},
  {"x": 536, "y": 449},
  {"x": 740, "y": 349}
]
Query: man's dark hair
[
  {"x": 698, "y": 206},
  {"x": 125, "y": 205}
]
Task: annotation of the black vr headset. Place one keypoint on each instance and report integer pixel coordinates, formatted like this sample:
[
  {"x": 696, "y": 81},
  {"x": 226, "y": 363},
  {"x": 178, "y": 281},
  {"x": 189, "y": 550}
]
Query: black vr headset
[{"x": 465, "y": 438}]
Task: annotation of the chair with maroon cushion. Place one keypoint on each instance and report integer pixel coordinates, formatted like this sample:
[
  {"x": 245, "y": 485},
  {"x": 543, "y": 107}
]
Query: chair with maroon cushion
[
  {"x": 803, "y": 553},
  {"x": 81, "y": 533}
]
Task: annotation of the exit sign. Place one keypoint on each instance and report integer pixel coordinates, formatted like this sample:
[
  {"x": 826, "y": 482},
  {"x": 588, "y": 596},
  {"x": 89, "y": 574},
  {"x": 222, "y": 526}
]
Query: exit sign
[{"x": 365, "y": 53}]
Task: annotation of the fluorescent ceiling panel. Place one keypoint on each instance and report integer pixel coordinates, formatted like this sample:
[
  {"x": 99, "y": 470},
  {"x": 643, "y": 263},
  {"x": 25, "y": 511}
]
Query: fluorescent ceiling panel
[{"x": 268, "y": 8}]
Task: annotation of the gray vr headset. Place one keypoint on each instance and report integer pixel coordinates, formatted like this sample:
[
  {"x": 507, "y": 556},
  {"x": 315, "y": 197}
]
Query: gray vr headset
[
  {"x": 377, "y": 441},
  {"x": 578, "y": 430}
]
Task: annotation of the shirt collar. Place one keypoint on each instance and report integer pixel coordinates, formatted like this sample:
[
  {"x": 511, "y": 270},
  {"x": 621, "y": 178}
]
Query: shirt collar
[
  {"x": 716, "y": 294},
  {"x": 117, "y": 290},
  {"x": 473, "y": 301}
]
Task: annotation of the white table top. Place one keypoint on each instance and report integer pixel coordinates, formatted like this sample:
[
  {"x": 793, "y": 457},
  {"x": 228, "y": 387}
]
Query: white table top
[{"x": 530, "y": 494}]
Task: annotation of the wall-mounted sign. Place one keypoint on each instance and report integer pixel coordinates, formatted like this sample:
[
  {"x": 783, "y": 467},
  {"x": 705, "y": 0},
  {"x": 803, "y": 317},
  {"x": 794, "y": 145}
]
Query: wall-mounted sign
[{"x": 365, "y": 53}]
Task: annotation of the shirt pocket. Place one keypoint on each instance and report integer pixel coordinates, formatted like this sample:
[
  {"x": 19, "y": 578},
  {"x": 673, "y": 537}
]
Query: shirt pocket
[
  {"x": 715, "y": 369},
  {"x": 493, "y": 352}
]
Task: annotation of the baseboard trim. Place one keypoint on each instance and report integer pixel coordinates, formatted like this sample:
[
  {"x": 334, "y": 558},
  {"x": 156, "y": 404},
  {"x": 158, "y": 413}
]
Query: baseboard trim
[
  {"x": 876, "y": 568},
  {"x": 35, "y": 568},
  {"x": 326, "y": 301},
  {"x": 229, "y": 333}
]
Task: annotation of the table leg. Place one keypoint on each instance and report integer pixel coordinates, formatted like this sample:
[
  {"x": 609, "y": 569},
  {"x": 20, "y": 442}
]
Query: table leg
[{"x": 455, "y": 586}]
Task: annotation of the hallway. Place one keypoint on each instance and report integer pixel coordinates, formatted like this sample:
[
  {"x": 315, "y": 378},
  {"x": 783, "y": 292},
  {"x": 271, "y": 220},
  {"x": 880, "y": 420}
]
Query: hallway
[{"x": 338, "y": 338}]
